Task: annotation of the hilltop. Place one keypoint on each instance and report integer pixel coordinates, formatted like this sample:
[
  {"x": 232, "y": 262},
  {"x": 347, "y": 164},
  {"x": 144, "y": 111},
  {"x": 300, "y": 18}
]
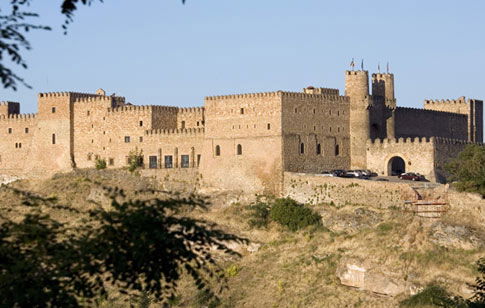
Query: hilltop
[{"x": 383, "y": 254}]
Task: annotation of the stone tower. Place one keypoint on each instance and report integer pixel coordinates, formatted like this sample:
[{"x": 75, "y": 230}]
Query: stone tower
[
  {"x": 382, "y": 117},
  {"x": 357, "y": 89}
]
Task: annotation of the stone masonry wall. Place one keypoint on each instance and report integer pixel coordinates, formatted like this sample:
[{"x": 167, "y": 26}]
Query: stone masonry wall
[{"x": 316, "y": 132}]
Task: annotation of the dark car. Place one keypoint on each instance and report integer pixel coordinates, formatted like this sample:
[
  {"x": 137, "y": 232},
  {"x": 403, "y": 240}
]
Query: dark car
[
  {"x": 338, "y": 172},
  {"x": 411, "y": 176}
]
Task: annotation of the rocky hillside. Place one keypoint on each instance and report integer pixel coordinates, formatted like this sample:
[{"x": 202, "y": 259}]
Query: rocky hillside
[{"x": 363, "y": 256}]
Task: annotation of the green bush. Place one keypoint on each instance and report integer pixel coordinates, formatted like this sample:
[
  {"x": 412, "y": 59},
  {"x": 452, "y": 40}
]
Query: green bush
[
  {"x": 100, "y": 163},
  {"x": 258, "y": 214},
  {"x": 135, "y": 160},
  {"x": 468, "y": 169},
  {"x": 293, "y": 215},
  {"x": 433, "y": 296}
]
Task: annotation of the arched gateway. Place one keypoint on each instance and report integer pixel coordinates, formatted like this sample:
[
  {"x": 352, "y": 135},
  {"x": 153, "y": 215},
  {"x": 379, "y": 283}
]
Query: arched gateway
[{"x": 396, "y": 166}]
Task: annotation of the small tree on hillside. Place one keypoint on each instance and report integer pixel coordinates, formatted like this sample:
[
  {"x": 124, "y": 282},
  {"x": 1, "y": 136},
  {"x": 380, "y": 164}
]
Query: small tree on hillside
[
  {"x": 135, "y": 159},
  {"x": 468, "y": 169}
]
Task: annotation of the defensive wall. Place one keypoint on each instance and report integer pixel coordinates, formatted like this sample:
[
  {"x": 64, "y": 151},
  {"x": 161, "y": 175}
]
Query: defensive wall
[{"x": 413, "y": 122}]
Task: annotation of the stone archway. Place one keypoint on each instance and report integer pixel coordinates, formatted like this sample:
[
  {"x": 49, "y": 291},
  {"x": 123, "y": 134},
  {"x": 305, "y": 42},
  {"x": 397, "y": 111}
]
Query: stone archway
[{"x": 396, "y": 166}]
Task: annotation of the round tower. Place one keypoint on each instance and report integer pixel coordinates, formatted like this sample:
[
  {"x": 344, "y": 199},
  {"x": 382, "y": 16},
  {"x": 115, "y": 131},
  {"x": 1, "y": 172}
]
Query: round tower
[{"x": 357, "y": 89}]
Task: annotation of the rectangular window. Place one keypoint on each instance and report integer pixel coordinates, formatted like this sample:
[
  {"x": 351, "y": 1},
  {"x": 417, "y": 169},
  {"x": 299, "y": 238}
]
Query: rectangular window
[
  {"x": 90, "y": 155},
  {"x": 9, "y": 130},
  {"x": 141, "y": 123},
  {"x": 26, "y": 130},
  {"x": 141, "y": 139},
  {"x": 242, "y": 110},
  {"x": 111, "y": 162},
  {"x": 53, "y": 109},
  {"x": 184, "y": 161},
  {"x": 198, "y": 160},
  {"x": 53, "y": 138},
  {"x": 152, "y": 162},
  {"x": 127, "y": 139},
  {"x": 88, "y": 113},
  {"x": 168, "y": 161}
]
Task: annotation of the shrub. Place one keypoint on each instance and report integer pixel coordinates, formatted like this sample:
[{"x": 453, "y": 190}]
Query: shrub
[
  {"x": 433, "y": 296},
  {"x": 293, "y": 215},
  {"x": 468, "y": 169},
  {"x": 135, "y": 160},
  {"x": 100, "y": 163},
  {"x": 259, "y": 214}
]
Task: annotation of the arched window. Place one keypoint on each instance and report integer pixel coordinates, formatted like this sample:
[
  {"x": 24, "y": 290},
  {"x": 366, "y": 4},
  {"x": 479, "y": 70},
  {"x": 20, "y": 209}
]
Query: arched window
[
  {"x": 302, "y": 148},
  {"x": 337, "y": 150},
  {"x": 319, "y": 149},
  {"x": 239, "y": 149},
  {"x": 218, "y": 150}
]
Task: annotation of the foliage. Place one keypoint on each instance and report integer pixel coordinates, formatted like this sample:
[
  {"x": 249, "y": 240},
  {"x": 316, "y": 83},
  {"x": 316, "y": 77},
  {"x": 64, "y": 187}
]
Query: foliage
[
  {"x": 433, "y": 296},
  {"x": 479, "y": 286},
  {"x": 232, "y": 270},
  {"x": 258, "y": 214},
  {"x": 468, "y": 169},
  {"x": 13, "y": 29},
  {"x": 141, "y": 247},
  {"x": 293, "y": 215},
  {"x": 100, "y": 163},
  {"x": 135, "y": 159}
]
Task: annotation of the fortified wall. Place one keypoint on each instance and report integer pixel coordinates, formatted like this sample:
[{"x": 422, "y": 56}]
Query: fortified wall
[{"x": 246, "y": 142}]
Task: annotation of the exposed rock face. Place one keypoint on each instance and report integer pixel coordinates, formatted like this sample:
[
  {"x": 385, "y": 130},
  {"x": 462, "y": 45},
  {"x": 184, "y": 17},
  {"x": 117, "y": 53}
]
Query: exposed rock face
[
  {"x": 454, "y": 236},
  {"x": 5, "y": 179},
  {"x": 100, "y": 197},
  {"x": 364, "y": 275}
]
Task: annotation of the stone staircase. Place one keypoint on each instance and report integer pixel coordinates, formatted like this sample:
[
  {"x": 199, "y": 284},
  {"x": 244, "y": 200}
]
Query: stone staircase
[{"x": 428, "y": 202}]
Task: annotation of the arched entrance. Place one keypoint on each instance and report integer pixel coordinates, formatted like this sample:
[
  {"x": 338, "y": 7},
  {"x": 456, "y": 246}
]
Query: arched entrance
[{"x": 396, "y": 166}]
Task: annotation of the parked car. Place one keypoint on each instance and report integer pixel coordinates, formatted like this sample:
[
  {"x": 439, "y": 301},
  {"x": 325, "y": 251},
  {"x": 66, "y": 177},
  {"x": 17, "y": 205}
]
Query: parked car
[
  {"x": 364, "y": 174},
  {"x": 352, "y": 174},
  {"x": 411, "y": 176},
  {"x": 328, "y": 173},
  {"x": 338, "y": 172}
]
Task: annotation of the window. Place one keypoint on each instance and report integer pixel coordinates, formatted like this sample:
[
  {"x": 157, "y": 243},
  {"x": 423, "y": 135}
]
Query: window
[
  {"x": 20, "y": 145},
  {"x": 319, "y": 149},
  {"x": 184, "y": 161},
  {"x": 198, "y": 160},
  {"x": 168, "y": 161},
  {"x": 198, "y": 123},
  {"x": 16, "y": 145},
  {"x": 152, "y": 162},
  {"x": 88, "y": 113},
  {"x": 218, "y": 150},
  {"x": 242, "y": 110},
  {"x": 239, "y": 149},
  {"x": 183, "y": 124},
  {"x": 111, "y": 161},
  {"x": 141, "y": 123},
  {"x": 337, "y": 150},
  {"x": 141, "y": 139},
  {"x": 268, "y": 126},
  {"x": 302, "y": 148},
  {"x": 26, "y": 130},
  {"x": 314, "y": 110},
  {"x": 296, "y": 110},
  {"x": 53, "y": 109},
  {"x": 90, "y": 156},
  {"x": 127, "y": 139},
  {"x": 9, "y": 130},
  {"x": 53, "y": 138}
]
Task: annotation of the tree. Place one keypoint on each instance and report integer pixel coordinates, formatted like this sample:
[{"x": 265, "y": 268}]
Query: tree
[
  {"x": 468, "y": 169},
  {"x": 140, "y": 246},
  {"x": 479, "y": 286},
  {"x": 14, "y": 26}
]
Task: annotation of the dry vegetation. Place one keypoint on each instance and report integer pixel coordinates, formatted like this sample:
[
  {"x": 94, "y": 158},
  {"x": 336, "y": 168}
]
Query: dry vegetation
[{"x": 296, "y": 269}]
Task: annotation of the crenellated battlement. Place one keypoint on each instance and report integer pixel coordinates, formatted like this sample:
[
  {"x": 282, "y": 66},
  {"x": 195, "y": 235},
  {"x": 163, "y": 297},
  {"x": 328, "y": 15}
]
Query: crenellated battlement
[
  {"x": 460, "y": 100},
  {"x": 191, "y": 110},
  {"x": 7, "y": 103},
  {"x": 18, "y": 117},
  {"x": 176, "y": 131},
  {"x": 415, "y": 140},
  {"x": 331, "y": 98},
  {"x": 442, "y": 140},
  {"x": 355, "y": 73},
  {"x": 428, "y": 111},
  {"x": 144, "y": 108},
  {"x": 247, "y": 95}
]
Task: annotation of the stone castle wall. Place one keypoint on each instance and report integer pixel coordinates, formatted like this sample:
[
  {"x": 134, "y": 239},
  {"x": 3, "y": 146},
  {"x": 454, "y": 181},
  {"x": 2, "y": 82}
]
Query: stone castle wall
[{"x": 412, "y": 122}]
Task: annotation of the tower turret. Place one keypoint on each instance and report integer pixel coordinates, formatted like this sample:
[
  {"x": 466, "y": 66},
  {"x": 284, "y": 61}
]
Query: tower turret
[
  {"x": 357, "y": 89},
  {"x": 383, "y": 86}
]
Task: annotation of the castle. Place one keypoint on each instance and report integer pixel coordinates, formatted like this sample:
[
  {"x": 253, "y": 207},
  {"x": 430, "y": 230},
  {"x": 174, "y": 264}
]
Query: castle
[{"x": 245, "y": 141}]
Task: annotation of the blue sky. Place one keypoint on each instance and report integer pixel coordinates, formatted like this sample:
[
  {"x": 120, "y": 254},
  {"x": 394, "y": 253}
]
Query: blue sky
[{"x": 163, "y": 52}]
